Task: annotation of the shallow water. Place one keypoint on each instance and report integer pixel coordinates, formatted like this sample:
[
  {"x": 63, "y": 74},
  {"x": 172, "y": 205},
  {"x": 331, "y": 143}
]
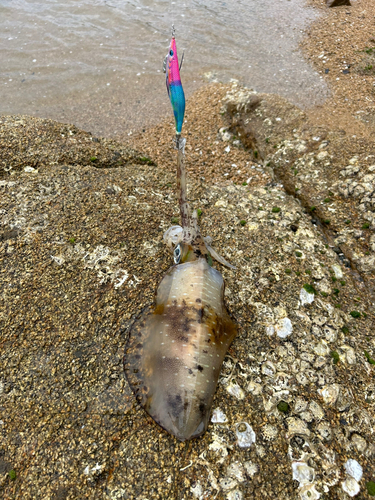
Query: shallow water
[{"x": 98, "y": 63}]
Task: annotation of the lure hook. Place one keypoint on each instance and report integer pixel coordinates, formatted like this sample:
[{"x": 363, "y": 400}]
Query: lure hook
[
  {"x": 182, "y": 60},
  {"x": 173, "y": 31}
]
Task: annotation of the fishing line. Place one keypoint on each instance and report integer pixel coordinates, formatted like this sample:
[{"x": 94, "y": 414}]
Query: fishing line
[{"x": 171, "y": 15}]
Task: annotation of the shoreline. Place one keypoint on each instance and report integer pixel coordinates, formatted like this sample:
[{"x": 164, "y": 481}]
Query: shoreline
[{"x": 108, "y": 106}]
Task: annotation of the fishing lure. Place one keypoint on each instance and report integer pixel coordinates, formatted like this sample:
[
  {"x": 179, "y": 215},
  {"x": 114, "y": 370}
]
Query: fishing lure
[
  {"x": 175, "y": 349},
  {"x": 174, "y": 85}
]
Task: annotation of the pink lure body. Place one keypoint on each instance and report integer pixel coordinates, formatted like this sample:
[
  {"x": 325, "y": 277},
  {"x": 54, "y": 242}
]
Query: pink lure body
[{"x": 174, "y": 86}]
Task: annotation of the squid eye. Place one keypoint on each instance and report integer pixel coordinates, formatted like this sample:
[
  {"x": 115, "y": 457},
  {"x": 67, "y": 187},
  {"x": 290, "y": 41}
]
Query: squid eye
[
  {"x": 177, "y": 255},
  {"x": 171, "y": 52}
]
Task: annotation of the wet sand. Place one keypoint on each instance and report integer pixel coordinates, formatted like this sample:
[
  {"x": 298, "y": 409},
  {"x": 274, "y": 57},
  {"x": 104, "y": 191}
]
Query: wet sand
[{"x": 341, "y": 47}]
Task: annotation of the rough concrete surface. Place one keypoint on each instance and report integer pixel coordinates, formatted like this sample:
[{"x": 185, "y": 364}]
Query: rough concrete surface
[
  {"x": 333, "y": 175},
  {"x": 81, "y": 255}
]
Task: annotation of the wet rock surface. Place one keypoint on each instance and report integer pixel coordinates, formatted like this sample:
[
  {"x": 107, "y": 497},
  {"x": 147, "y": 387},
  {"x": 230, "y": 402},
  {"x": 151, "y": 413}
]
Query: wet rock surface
[
  {"x": 331, "y": 174},
  {"x": 81, "y": 256},
  {"x": 29, "y": 143}
]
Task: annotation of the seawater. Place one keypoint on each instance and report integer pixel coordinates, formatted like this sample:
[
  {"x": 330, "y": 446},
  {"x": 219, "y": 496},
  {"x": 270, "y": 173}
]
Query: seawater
[{"x": 98, "y": 63}]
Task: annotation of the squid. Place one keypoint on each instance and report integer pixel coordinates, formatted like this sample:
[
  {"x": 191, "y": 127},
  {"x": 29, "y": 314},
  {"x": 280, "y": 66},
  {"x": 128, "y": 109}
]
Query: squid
[{"x": 176, "y": 347}]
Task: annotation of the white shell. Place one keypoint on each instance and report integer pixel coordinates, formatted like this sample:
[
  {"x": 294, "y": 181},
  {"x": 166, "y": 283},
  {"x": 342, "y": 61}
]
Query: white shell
[
  {"x": 324, "y": 430},
  {"x": 197, "y": 490},
  {"x": 330, "y": 393},
  {"x": 303, "y": 473},
  {"x": 309, "y": 492},
  {"x": 254, "y": 388},
  {"x": 338, "y": 271},
  {"x": 300, "y": 405},
  {"x": 30, "y": 169},
  {"x": 270, "y": 330},
  {"x": 218, "y": 417},
  {"x": 296, "y": 426},
  {"x": 235, "y": 390},
  {"x": 283, "y": 328},
  {"x": 236, "y": 471},
  {"x": 234, "y": 495},
  {"x": 228, "y": 483},
  {"x": 350, "y": 356},
  {"x": 306, "y": 297},
  {"x": 245, "y": 435},
  {"x": 321, "y": 348},
  {"x": 354, "y": 469},
  {"x": 316, "y": 410},
  {"x": 268, "y": 368},
  {"x": 359, "y": 442},
  {"x": 350, "y": 486},
  {"x": 307, "y": 416}
]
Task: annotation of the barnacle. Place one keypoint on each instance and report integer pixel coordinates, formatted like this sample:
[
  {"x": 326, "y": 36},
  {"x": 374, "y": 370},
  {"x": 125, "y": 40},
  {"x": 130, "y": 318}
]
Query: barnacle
[
  {"x": 324, "y": 430},
  {"x": 316, "y": 410},
  {"x": 307, "y": 416},
  {"x": 300, "y": 405},
  {"x": 245, "y": 435},
  {"x": 251, "y": 468}
]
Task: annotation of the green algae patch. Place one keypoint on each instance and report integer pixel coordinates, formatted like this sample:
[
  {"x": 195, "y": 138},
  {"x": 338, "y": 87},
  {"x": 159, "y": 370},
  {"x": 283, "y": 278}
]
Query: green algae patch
[
  {"x": 276, "y": 210},
  {"x": 145, "y": 160},
  {"x": 283, "y": 407},
  {"x": 355, "y": 314},
  {"x": 369, "y": 358},
  {"x": 370, "y": 486},
  {"x": 309, "y": 289},
  {"x": 335, "y": 356},
  {"x": 12, "y": 474}
]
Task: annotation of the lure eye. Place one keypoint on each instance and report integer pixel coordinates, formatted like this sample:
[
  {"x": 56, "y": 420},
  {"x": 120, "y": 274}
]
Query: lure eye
[
  {"x": 177, "y": 254},
  {"x": 171, "y": 52}
]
